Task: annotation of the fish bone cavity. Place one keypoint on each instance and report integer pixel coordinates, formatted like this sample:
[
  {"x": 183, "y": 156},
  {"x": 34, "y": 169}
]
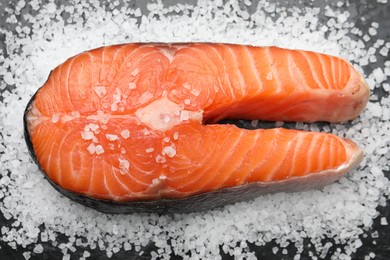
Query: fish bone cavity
[{"x": 163, "y": 114}]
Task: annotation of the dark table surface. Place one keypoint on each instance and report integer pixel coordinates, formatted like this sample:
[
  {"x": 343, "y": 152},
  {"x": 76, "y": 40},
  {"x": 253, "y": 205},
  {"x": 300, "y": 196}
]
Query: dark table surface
[{"x": 372, "y": 11}]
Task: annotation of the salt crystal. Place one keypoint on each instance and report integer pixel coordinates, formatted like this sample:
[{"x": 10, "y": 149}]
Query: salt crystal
[
  {"x": 27, "y": 255},
  {"x": 125, "y": 133},
  {"x": 91, "y": 148},
  {"x": 114, "y": 107},
  {"x": 379, "y": 75},
  {"x": 137, "y": 12},
  {"x": 384, "y": 51},
  {"x": 169, "y": 150},
  {"x": 111, "y": 137},
  {"x": 55, "y": 118},
  {"x": 358, "y": 243},
  {"x": 375, "y": 25},
  {"x": 99, "y": 149},
  {"x": 127, "y": 246},
  {"x": 175, "y": 136},
  {"x": 124, "y": 165},
  {"x": 187, "y": 101},
  {"x": 135, "y": 72},
  {"x": 160, "y": 159},
  {"x": 87, "y": 135},
  {"x": 384, "y": 221},
  {"x": 254, "y": 123},
  {"x": 149, "y": 150},
  {"x": 100, "y": 91},
  {"x": 372, "y": 31},
  {"x": 386, "y": 87},
  {"x": 93, "y": 127},
  {"x": 38, "y": 249},
  {"x": 132, "y": 85}
]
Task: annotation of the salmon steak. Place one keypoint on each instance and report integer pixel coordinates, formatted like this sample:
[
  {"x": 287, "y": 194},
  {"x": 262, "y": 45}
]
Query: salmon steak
[{"x": 132, "y": 127}]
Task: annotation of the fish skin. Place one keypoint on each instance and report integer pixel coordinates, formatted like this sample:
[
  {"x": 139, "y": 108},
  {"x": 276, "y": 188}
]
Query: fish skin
[{"x": 220, "y": 81}]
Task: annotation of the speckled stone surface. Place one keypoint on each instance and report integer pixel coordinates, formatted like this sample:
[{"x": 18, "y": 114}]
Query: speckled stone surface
[{"x": 372, "y": 12}]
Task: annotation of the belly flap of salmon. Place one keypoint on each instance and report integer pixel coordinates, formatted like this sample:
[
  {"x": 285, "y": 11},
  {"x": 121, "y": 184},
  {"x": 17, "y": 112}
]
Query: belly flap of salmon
[{"x": 131, "y": 128}]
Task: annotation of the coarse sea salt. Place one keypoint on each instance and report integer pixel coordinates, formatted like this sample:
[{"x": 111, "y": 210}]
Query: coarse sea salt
[
  {"x": 99, "y": 149},
  {"x": 132, "y": 85},
  {"x": 111, "y": 137},
  {"x": 55, "y": 118},
  {"x": 100, "y": 91},
  {"x": 125, "y": 133},
  {"x": 87, "y": 135},
  {"x": 124, "y": 165},
  {"x": 169, "y": 150},
  {"x": 91, "y": 148},
  {"x": 149, "y": 150},
  {"x": 342, "y": 211}
]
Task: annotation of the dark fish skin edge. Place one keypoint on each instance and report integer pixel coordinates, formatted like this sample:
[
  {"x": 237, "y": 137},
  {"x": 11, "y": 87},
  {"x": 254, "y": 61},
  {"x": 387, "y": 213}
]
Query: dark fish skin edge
[{"x": 199, "y": 202}]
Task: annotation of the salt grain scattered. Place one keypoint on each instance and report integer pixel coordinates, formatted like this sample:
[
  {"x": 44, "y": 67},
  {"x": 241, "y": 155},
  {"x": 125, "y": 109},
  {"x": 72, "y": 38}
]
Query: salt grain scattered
[
  {"x": 169, "y": 150},
  {"x": 91, "y": 148},
  {"x": 124, "y": 165},
  {"x": 132, "y": 85},
  {"x": 135, "y": 72},
  {"x": 111, "y": 137},
  {"x": 55, "y": 118},
  {"x": 99, "y": 149},
  {"x": 125, "y": 133},
  {"x": 372, "y": 31},
  {"x": 254, "y": 123},
  {"x": 87, "y": 135},
  {"x": 114, "y": 107},
  {"x": 38, "y": 249},
  {"x": 160, "y": 159},
  {"x": 149, "y": 150},
  {"x": 27, "y": 255},
  {"x": 100, "y": 91}
]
